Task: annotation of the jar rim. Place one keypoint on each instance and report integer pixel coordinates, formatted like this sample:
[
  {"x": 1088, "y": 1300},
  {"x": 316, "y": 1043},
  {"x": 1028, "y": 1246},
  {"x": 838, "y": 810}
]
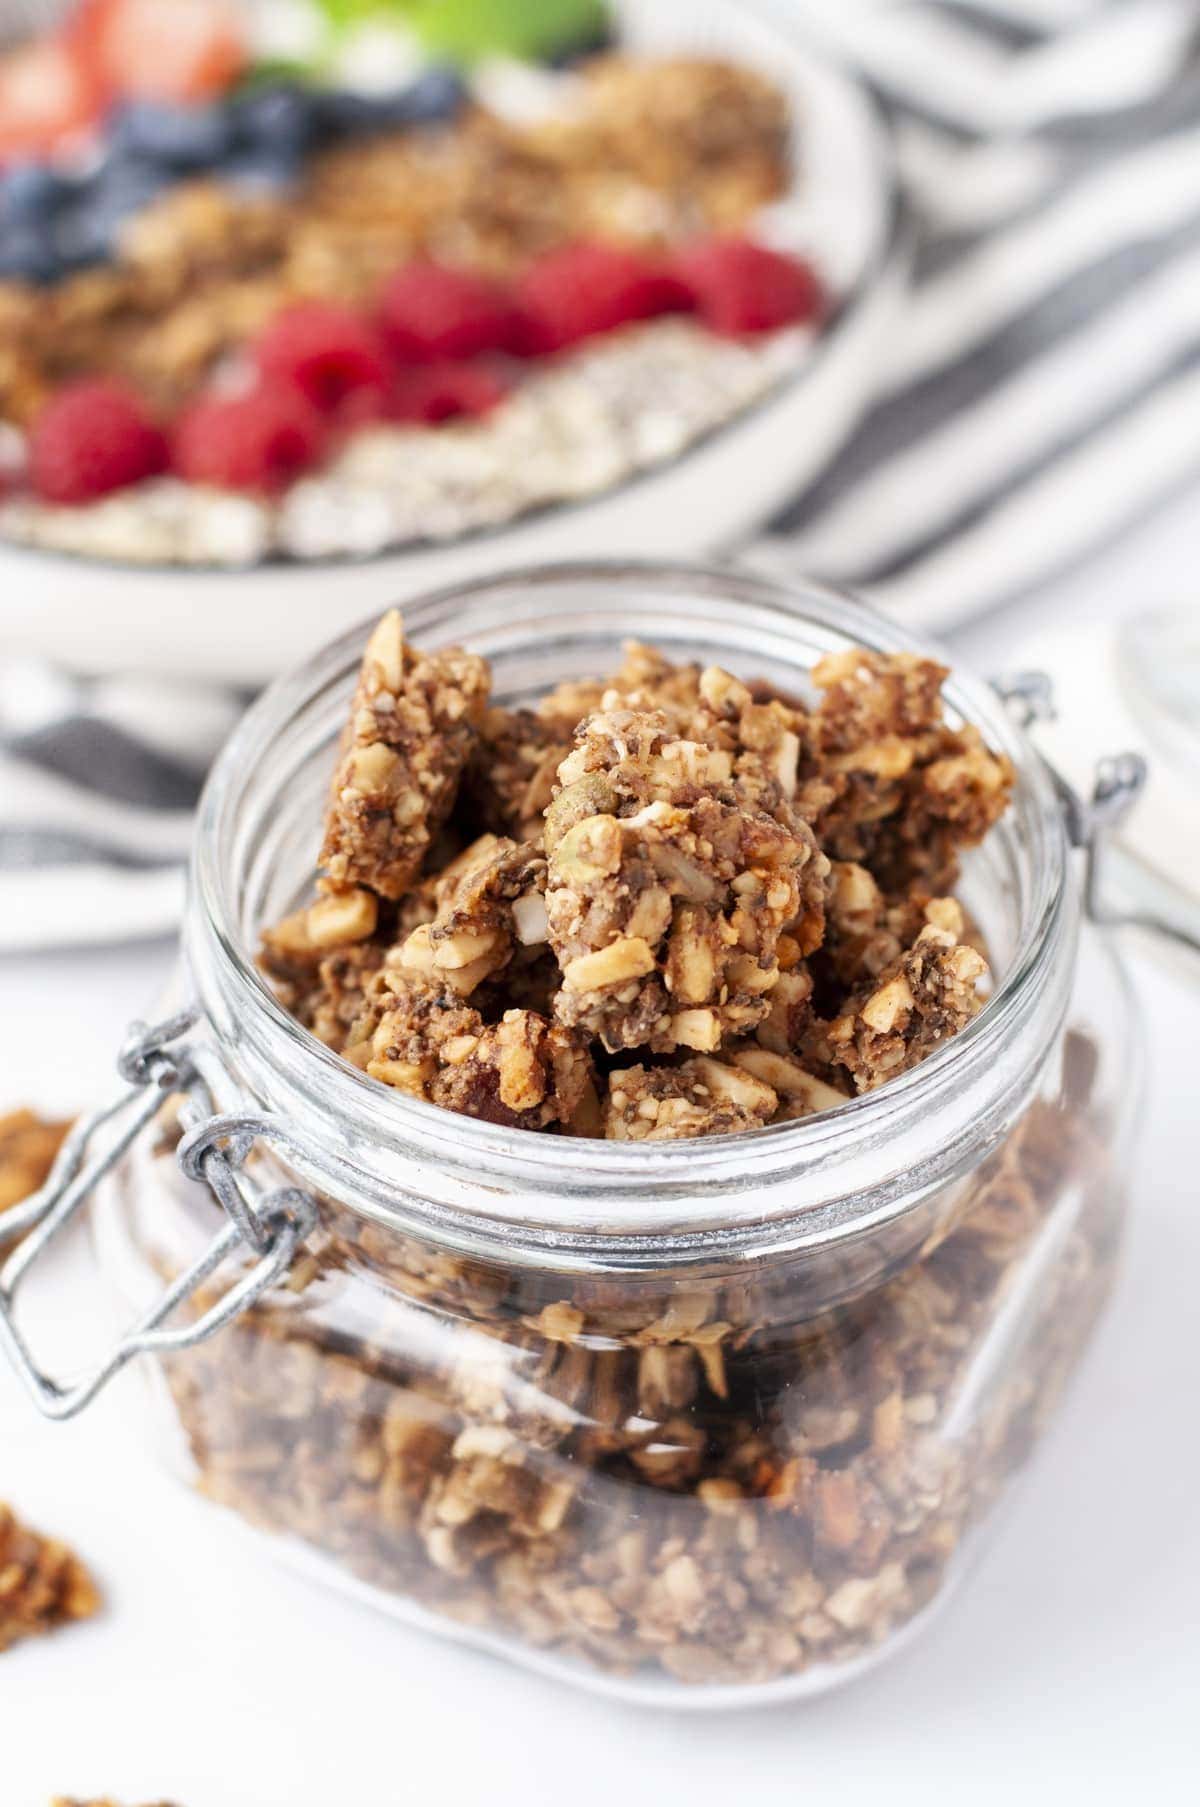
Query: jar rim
[{"x": 470, "y": 1182}]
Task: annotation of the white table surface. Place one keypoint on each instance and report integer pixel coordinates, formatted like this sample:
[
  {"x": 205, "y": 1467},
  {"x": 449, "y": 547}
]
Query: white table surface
[{"x": 1070, "y": 1661}]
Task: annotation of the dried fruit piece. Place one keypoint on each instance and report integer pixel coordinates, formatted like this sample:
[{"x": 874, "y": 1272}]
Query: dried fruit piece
[
  {"x": 42, "y": 1584},
  {"x": 93, "y": 436}
]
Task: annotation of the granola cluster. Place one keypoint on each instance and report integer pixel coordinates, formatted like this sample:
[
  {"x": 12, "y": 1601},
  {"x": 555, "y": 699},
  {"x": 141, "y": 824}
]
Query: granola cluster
[
  {"x": 709, "y": 1479},
  {"x": 662, "y": 904},
  {"x": 647, "y": 151},
  {"x": 42, "y": 1583}
]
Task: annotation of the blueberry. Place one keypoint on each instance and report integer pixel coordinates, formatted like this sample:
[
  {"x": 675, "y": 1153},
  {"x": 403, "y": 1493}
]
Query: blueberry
[
  {"x": 340, "y": 113},
  {"x": 437, "y": 94},
  {"x": 85, "y": 233},
  {"x": 257, "y": 170},
  {"x": 345, "y": 113},
  {"x": 595, "y": 42},
  {"x": 30, "y": 192},
  {"x": 183, "y": 137},
  {"x": 127, "y": 183},
  {"x": 27, "y": 255},
  {"x": 274, "y": 118}
]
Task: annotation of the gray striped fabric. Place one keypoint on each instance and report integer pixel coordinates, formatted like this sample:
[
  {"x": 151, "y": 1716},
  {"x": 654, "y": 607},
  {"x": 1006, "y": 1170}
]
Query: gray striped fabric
[{"x": 1043, "y": 390}]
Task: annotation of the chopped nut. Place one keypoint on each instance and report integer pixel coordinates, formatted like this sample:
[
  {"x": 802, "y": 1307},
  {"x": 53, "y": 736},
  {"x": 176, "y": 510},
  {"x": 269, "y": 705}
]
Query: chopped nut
[{"x": 335, "y": 920}]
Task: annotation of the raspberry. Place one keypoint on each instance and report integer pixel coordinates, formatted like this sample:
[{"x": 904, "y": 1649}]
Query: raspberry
[
  {"x": 260, "y": 441},
  {"x": 93, "y": 436},
  {"x": 587, "y": 288},
  {"x": 438, "y": 392},
  {"x": 429, "y": 312},
  {"x": 329, "y": 352},
  {"x": 739, "y": 287}
]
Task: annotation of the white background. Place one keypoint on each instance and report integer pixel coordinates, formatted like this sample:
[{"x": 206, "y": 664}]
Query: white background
[{"x": 1068, "y": 1666}]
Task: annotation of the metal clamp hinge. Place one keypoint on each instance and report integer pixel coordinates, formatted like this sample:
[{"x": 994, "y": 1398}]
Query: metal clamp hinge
[
  {"x": 270, "y": 1225},
  {"x": 1120, "y": 890}
]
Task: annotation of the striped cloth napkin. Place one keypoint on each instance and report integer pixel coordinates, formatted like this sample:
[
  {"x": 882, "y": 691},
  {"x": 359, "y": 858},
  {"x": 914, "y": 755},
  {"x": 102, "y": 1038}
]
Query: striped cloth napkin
[{"x": 1042, "y": 392}]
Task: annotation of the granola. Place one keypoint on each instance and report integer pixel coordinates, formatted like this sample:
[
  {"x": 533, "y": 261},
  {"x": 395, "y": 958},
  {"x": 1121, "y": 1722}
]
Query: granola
[
  {"x": 647, "y": 151},
  {"x": 666, "y": 914},
  {"x": 521, "y": 1071},
  {"x": 701, "y": 1097},
  {"x": 43, "y": 1585},
  {"x": 28, "y": 1146},
  {"x": 412, "y": 725},
  {"x": 704, "y": 1480},
  {"x": 733, "y": 886}
]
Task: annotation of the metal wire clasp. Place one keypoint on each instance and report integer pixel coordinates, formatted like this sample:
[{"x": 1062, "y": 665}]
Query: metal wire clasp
[
  {"x": 1120, "y": 890},
  {"x": 157, "y": 1063}
]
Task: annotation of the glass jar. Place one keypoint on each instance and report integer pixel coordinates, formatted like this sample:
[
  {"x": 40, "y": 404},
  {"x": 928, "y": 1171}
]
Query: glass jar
[{"x": 710, "y": 1420}]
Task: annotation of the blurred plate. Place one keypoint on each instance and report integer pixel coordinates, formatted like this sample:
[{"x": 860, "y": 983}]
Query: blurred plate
[{"x": 246, "y": 625}]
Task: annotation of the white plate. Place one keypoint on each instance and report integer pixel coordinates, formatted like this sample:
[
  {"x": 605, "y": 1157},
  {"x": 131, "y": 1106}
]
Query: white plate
[{"x": 248, "y": 625}]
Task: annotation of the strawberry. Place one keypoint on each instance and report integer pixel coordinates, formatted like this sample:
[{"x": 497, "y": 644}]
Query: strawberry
[
  {"x": 183, "y": 50},
  {"x": 590, "y": 288},
  {"x": 47, "y": 99},
  {"x": 738, "y": 287},
  {"x": 260, "y": 441},
  {"x": 91, "y": 437}
]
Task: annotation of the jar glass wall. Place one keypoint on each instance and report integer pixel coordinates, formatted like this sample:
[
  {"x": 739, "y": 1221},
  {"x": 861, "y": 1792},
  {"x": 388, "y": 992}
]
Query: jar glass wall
[{"x": 714, "y": 1419}]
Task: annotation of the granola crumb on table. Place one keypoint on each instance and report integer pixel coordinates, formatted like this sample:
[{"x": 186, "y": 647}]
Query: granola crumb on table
[
  {"x": 43, "y": 1585},
  {"x": 749, "y": 895},
  {"x": 28, "y": 1146}
]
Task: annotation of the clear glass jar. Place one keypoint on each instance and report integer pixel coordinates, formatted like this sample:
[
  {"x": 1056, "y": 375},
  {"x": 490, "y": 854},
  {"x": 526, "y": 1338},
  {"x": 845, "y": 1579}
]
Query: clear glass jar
[{"x": 712, "y": 1420}]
